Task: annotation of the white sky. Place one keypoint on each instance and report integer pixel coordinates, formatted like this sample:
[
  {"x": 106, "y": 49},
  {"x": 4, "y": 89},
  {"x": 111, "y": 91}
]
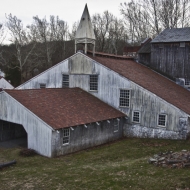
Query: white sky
[{"x": 67, "y": 10}]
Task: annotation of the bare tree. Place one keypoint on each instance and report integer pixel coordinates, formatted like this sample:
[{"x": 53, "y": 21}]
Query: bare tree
[
  {"x": 175, "y": 13},
  {"x": 2, "y": 33},
  {"x": 147, "y": 18},
  {"x": 101, "y": 24},
  {"x": 59, "y": 29},
  {"x": 47, "y": 33},
  {"x": 44, "y": 35},
  {"x": 21, "y": 39},
  {"x": 73, "y": 31},
  {"x": 117, "y": 36},
  {"x": 110, "y": 33}
]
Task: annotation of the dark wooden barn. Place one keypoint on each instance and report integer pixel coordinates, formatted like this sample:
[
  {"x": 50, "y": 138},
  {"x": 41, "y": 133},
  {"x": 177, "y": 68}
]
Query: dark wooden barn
[
  {"x": 144, "y": 52},
  {"x": 170, "y": 54}
]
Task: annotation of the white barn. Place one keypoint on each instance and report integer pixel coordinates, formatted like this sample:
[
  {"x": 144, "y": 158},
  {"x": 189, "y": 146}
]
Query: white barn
[
  {"x": 58, "y": 121},
  {"x": 2, "y": 74},
  {"x": 152, "y": 102},
  {"x": 5, "y": 84},
  {"x": 93, "y": 98}
]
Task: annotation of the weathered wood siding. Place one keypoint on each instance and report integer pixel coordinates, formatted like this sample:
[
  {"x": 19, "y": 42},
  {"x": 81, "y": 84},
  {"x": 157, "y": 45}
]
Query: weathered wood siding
[
  {"x": 149, "y": 105},
  {"x": 5, "y": 85},
  {"x": 51, "y": 77},
  {"x": 79, "y": 67},
  {"x": 39, "y": 133},
  {"x": 144, "y": 58},
  {"x": 171, "y": 59},
  {"x": 83, "y": 138}
]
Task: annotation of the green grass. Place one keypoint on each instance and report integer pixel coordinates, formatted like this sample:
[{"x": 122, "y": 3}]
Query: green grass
[{"x": 119, "y": 165}]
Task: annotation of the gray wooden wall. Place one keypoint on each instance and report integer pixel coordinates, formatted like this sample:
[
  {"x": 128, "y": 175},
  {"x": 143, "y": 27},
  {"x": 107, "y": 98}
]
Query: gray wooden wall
[
  {"x": 83, "y": 138},
  {"x": 150, "y": 105},
  {"x": 144, "y": 58},
  {"x": 39, "y": 133},
  {"x": 171, "y": 59},
  {"x": 5, "y": 85}
]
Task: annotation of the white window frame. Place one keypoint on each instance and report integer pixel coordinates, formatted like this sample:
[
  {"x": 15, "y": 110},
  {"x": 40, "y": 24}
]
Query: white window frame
[
  {"x": 127, "y": 99},
  {"x": 161, "y": 114},
  {"x": 66, "y": 136},
  {"x": 135, "y": 116},
  {"x": 42, "y": 85},
  {"x": 187, "y": 83},
  {"x": 115, "y": 125},
  {"x": 93, "y": 83},
  {"x": 65, "y": 83}
]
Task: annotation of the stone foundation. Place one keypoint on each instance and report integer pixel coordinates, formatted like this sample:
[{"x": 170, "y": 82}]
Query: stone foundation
[{"x": 157, "y": 133}]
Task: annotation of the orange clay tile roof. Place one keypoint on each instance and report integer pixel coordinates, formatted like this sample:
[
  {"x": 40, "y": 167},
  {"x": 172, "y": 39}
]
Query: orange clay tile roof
[
  {"x": 65, "y": 107},
  {"x": 150, "y": 80}
]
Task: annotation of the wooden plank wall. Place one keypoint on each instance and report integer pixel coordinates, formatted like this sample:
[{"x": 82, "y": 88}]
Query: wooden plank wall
[
  {"x": 39, "y": 134},
  {"x": 79, "y": 67},
  {"x": 5, "y": 85},
  {"x": 171, "y": 59}
]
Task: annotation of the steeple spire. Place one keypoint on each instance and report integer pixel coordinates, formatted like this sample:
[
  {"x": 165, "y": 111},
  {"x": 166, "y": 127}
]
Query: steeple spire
[{"x": 85, "y": 33}]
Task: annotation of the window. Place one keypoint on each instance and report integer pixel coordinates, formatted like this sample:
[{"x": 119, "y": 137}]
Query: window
[
  {"x": 93, "y": 82},
  {"x": 116, "y": 125},
  {"x": 66, "y": 135},
  {"x": 124, "y": 98},
  {"x": 136, "y": 116},
  {"x": 42, "y": 85},
  {"x": 187, "y": 82},
  {"x": 162, "y": 120},
  {"x": 65, "y": 83},
  {"x": 182, "y": 44}
]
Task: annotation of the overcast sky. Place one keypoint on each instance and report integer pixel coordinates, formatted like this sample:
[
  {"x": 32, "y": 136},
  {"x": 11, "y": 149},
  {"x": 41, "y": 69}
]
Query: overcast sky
[{"x": 67, "y": 10}]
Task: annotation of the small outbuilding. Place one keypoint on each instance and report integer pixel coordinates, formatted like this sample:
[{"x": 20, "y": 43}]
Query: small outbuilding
[
  {"x": 170, "y": 52},
  {"x": 58, "y": 121},
  {"x": 144, "y": 53},
  {"x": 131, "y": 51}
]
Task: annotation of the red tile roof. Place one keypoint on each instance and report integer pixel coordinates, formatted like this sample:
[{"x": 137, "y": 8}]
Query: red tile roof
[
  {"x": 150, "y": 80},
  {"x": 65, "y": 107},
  {"x": 131, "y": 48}
]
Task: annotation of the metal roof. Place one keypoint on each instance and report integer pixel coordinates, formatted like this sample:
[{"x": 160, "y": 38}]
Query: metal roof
[
  {"x": 85, "y": 30},
  {"x": 173, "y": 35},
  {"x": 145, "y": 48}
]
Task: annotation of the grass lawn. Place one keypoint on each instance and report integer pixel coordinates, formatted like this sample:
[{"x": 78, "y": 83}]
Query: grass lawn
[{"x": 119, "y": 165}]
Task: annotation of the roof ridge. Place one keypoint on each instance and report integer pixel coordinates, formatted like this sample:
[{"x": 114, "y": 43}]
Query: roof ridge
[
  {"x": 57, "y": 107},
  {"x": 36, "y": 89},
  {"x": 108, "y": 55}
]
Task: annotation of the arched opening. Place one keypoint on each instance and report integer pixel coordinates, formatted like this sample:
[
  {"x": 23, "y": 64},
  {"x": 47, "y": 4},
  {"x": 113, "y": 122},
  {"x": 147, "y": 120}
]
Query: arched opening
[{"x": 12, "y": 135}]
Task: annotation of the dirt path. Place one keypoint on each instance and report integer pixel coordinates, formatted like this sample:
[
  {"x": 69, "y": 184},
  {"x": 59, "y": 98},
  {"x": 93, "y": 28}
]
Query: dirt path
[{"x": 21, "y": 142}]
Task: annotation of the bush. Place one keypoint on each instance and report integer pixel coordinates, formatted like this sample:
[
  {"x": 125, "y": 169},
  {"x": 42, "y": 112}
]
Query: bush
[{"x": 27, "y": 152}]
